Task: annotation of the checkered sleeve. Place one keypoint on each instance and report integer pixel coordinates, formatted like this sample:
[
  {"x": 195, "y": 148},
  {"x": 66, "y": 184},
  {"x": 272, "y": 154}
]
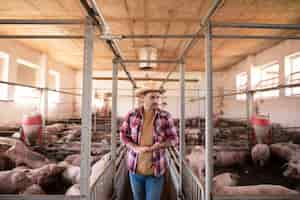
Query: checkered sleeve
[
  {"x": 171, "y": 131},
  {"x": 125, "y": 130}
]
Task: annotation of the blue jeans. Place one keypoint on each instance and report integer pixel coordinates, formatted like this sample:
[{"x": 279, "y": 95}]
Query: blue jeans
[{"x": 146, "y": 187}]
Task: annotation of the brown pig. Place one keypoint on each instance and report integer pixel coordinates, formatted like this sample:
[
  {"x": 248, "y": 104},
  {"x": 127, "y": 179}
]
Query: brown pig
[{"x": 13, "y": 182}]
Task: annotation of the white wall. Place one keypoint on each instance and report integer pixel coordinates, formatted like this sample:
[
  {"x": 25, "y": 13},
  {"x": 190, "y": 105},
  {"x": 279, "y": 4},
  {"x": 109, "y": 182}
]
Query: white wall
[
  {"x": 14, "y": 110},
  {"x": 125, "y": 91},
  {"x": 283, "y": 109}
]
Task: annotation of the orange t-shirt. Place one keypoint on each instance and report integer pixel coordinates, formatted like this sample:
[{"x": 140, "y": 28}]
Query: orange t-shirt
[{"x": 145, "y": 164}]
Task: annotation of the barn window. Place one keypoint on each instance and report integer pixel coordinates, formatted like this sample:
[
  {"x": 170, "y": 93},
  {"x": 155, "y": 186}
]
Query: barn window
[
  {"x": 4, "y": 62},
  {"x": 53, "y": 83},
  {"x": 241, "y": 85},
  {"x": 266, "y": 76},
  {"x": 27, "y": 74},
  {"x": 292, "y": 74}
]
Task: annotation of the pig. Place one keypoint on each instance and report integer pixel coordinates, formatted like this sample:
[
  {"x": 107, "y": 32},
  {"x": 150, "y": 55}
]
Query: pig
[
  {"x": 255, "y": 190},
  {"x": 225, "y": 179},
  {"x": 226, "y": 184},
  {"x": 71, "y": 135},
  {"x": 73, "y": 126},
  {"x": 51, "y": 138},
  {"x": 42, "y": 176},
  {"x": 22, "y": 168},
  {"x": 284, "y": 151},
  {"x": 33, "y": 190},
  {"x": 13, "y": 182},
  {"x": 74, "y": 190},
  {"x": 196, "y": 160},
  {"x": 55, "y": 128},
  {"x": 6, "y": 163},
  {"x": 75, "y": 159},
  {"x": 230, "y": 158},
  {"x": 260, "y": 154},
  {"x": 21, "y": 154},
  {"x": 71, "y": 174},
  {"x": 293, "y": 168}
]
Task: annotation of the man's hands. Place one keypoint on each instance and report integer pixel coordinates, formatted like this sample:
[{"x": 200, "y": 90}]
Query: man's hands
[{"x": 143, "y": 149}]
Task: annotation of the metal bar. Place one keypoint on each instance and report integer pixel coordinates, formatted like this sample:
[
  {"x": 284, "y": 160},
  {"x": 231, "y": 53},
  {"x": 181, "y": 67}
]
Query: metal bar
[
  {"x": 21, "y": 85},
  {"x": 114, "y": 115},
  {"x": 133, "y": 97},
  {"x": 152, "y": 36},
  {"x": 256, "y": 37},
  {"x": 42, "y": 21},
  {"x": 168, "y": 76},
  {"x": 44, "y": 102},
  {"x": 208, "y": 114},
  {"x": 182, "y": 126},
  {"x": 255, "y": 25},
  {"x": 38, "y": 88},
  {"x": 150, "y": 61},
  {"x": 248, "y": 106},
  {"x": 210, "y": 12},
  {"x": 41, "y": 37},
  {"x": 144, "y": 79},
  {"x": 95, "y": 13},
  {"x": 252, "y": 91},
  {"x": 62, "y": 92},
  {"x": 86, "y": 111},
  {"x": 193, "y": 41}
]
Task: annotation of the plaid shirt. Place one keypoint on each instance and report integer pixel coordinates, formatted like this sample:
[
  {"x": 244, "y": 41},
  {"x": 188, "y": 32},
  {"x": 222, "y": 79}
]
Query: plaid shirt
[{"x": 164, "y": 130}]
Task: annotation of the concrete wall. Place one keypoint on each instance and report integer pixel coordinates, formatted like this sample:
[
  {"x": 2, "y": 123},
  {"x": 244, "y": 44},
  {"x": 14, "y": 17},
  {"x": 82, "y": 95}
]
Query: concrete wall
[
  {"x": 282, "y": 109},
  {"x": 16, "y": 108}
]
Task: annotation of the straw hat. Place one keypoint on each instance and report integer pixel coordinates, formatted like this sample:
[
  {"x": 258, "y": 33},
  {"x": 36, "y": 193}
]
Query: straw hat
[{"x": 149, "y": 87}]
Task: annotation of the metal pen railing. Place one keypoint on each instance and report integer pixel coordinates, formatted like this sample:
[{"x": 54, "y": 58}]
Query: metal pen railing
[
  {"x": 193, "y": 189},
  {"x": 103, "y": 185}
]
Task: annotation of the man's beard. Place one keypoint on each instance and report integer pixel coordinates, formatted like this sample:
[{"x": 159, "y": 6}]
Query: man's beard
[{"x": 154, "y": 106}]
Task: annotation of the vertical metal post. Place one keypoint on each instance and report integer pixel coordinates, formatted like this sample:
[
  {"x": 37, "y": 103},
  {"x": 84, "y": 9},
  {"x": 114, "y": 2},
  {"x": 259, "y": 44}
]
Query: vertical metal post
[
  {"x": 182, "y": 126},
  {"x": 248, "y": 94},
  {"x": 133, "y": 97},
  {"x": 208, "y": 114},
  {"x": 44, "y": 84},
  {"x": 114, "y": 115},
  {"x": 86, "y": 111},
  {"x": 248, "y": 106},
  {"x": 95, "y": 121}
]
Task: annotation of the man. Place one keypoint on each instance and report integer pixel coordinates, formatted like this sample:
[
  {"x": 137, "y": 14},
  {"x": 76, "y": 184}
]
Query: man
[{"x": 147, "y": 131}]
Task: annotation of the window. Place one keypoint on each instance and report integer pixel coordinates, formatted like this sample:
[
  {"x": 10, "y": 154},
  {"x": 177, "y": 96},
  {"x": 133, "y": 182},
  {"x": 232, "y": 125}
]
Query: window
[
  {"x": 266, "y": 76},
  {"x": 292, "y": 73},
  {"x": 53, "y": 83},
  {"x": 4, "y": 62},
  {"x": 27, "y": 74},
  {"x": 241, "y": 85}
]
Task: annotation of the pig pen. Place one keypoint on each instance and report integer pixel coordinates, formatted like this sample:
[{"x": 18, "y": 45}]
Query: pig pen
[
  {"x": 271, "y": 173},
  {"x": 234, "y": 135},
  {"x": 61, "y": 145}
]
